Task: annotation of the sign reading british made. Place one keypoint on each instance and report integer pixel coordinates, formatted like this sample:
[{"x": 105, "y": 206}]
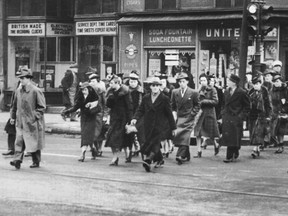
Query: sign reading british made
[
  {"x": 60, "y": 29},
  {"x": 26, "y": 29},
  {"x": 107, "y": 27},
  {"x": 170, "y": 36}
]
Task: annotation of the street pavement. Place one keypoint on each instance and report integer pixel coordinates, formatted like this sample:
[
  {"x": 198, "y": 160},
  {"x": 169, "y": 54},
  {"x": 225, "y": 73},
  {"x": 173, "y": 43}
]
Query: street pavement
[{"x": 206, "y": 186}]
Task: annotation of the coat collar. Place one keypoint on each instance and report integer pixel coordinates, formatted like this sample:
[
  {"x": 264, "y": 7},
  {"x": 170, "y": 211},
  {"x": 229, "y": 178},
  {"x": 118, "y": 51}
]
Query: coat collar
[{"x": 27, "y": 88}]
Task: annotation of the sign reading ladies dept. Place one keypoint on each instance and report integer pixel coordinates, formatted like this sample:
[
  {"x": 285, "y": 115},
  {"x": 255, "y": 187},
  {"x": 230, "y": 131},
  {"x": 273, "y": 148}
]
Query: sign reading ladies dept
[
  {"x": 26, "y": 29},
  {"x": 105, "y": 27}
]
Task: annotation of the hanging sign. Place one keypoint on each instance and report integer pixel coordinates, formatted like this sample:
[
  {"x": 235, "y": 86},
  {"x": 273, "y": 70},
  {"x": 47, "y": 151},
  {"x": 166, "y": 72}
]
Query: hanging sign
[
  {"x": 104, "y": 27},
  {"x": 60, "y": 29},
  {"x": 26, "y": 29}
]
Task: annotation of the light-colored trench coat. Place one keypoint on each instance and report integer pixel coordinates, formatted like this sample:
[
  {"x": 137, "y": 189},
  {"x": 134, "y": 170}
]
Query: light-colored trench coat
[{"x": 28, "y": 109}]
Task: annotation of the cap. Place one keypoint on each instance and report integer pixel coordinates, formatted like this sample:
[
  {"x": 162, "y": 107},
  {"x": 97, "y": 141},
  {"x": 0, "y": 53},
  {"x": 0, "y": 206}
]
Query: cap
[
  {"x": 25, "y": 72},
  {"x": 234, "y": 78},
  {"x": 93, "y": 76},
  {"x": 268, "y": 71},
  {"x": 277, "y": 63},
  {"x": 276, "y": 77},
  {"x": 155, "y": 81},
  {"x": 256, "y": 79},
  {"x": 84, "y": 85},
  {"x": 163, "y": 76},
  {"x": 182, "y": 76},
  {"x": 133, "y": 75},
  {"x": 75, "y": 65}
]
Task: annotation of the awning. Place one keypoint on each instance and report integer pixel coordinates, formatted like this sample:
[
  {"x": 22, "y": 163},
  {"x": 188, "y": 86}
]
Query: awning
[{"x": 171, "y": 18}]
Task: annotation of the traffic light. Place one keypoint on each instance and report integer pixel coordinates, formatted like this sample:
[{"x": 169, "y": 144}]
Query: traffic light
[
  {"x": 253, "y": 19},
  {"x": 265, "y": 19}
]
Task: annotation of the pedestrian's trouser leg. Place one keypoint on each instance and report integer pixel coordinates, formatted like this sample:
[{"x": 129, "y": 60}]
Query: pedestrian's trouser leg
[
  {"x": 11, "y": 142},
  {"x": 230, "y": 152},
  {"x": 19, "y": 148},
  {"x": 36, "y": 156}
]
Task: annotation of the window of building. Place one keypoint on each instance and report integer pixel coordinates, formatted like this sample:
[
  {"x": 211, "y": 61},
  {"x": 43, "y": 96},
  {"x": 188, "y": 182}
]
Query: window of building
[
  {"x": 33, "y": 8},
  {"x": 110, "y": 6},
  {"x": 13, "y": 7},
  {"x": 223, "y": 3},
  {"x": 151, "y": 4},
  {"x": 108, "y": 48},
  {"x": 238, "y": 3},
  {"x": 168, "y": 4},
  {"x": 64, "y": 45},
  {"x": 66, "y": 8},
  {"x": 51, "y": 8},
  {"x": 66, "y": 48}
]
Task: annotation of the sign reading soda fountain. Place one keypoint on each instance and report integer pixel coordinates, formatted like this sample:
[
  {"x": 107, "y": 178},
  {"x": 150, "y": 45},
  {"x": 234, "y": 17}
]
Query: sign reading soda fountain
[{"x": 170, "y": 36}]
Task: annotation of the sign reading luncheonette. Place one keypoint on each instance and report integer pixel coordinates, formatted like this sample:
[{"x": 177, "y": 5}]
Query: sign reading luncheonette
[
  {"x": 26, "y": 29},
  {"x": 105, "y": 27},
  {"x": 60, "y": 29}
]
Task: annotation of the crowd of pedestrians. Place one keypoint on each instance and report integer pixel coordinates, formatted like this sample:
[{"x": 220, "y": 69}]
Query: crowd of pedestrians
[{"x": 153, "y": 120}]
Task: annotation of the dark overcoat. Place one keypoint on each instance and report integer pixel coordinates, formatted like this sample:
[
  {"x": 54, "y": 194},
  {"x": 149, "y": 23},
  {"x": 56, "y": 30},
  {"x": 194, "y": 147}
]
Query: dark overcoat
[
  {"x": 186, "y": 108},
  {"x": 207, "y": 124},
  {"x": 157, "y": 116},
  {"x": 235, "y": 110},
  {"x": 279, "y": 109},
  {"x": 121, "y": 109},
  {"x": 88, "y": 116}
]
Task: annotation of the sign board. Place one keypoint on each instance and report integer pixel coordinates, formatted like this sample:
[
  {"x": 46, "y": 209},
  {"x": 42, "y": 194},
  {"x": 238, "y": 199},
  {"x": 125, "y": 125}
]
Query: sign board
[
  {"x": 60, "y": 29},
  {"x": 154, "y": 66},
  {"x": 104, "y": 27},
  {"x": 172, "y": 36},
  {"x": 26, "y": 29},
  {"x": 172, "y": 57},
  {"x": 171, "y": 63}
]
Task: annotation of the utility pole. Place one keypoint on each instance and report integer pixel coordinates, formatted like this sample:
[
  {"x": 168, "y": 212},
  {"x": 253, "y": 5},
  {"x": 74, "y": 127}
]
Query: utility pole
[{"x": 243, "y": 45}]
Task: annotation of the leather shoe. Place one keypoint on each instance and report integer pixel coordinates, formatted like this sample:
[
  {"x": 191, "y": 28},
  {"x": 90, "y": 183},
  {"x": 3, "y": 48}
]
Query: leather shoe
[
  {"x": 34, "y": 165},
  {"x": 199, "y": 155},
  {"x": 228, "y": 160},
  {"x": 16, "y": 163},
  {"x": 10, "y": 152},
  {"x": 179, "y": 160},
  {"x": 146, "y": 165}
]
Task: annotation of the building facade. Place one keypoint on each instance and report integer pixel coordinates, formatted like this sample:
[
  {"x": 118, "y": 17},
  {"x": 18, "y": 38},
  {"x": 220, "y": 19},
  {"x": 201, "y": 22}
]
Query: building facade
[
  {"x": 149, "y": 36},
  {"x": 153, "y": 35}
]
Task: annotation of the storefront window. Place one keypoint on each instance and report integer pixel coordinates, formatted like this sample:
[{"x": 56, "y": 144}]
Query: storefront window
[
  {"x": 33, "y": 8},
  {"x": 108, "y": 48},
  {"x": 66, "y": 48},
  {"x": 51, "y": 49},
  {"x": 110, "y": 6},
  {"x": 89, "y": 52},
  {"x": 13, "y": 7}
]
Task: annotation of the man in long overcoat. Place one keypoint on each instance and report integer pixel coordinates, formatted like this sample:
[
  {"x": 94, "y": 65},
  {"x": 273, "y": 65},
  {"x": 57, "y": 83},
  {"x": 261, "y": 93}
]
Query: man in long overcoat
[
  {"x": 28, "y": 109},
  {"x": 185, "y": 106},
  {"x": 235, "y": 110},
  {"x": 156, "y": 109}
]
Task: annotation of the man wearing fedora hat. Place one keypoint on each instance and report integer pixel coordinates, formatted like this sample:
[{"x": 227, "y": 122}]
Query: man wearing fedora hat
[
  {"x": 28, "y": 111},
  {"x": 185, "y": 106},
  {"x": 235, "y": 110},
  {"x": 69, "y": 84},
  {"x": 156, "y": 110}
]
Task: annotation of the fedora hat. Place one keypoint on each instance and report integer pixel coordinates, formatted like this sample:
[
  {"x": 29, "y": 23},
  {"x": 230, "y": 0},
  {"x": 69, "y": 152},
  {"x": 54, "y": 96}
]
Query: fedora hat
[
  {"x": 154, "y": 81},
  {"x": 94, "y": 76},
  {"x": 256, "y": 79},
  {"x": 277, "y": 63},
  {"x": 84, "y": 85},
  {"x": 182, "y": 76},
  {"x": 234, "y": 78},
  {"x": 276, "y": 77},
  {"x": 25, "y": 72}
]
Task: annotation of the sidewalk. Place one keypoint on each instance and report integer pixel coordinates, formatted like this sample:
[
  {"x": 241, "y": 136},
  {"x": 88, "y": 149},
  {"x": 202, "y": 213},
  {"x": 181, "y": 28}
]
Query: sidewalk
[{"x": 53, "y": 123}]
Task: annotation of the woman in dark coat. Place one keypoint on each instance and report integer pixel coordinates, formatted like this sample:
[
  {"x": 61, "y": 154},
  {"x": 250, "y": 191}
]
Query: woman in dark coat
[
  {"x": 235, "y": 110},
  {"x": 279, "y": 98},
  {"x": 120, "y": 104},
  {"x": 87, "y": 96},
  {"x": 260, "y": 114},
  {"x": 206, "y": 126},
  {"x": 157, "y": 113}
]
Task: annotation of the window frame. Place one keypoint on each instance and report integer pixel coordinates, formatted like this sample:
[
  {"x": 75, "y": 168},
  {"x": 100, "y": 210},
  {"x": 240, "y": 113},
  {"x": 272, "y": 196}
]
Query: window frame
[
  {"x": 160, "y": 6},
  {"x": 117, "y": 7}
]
